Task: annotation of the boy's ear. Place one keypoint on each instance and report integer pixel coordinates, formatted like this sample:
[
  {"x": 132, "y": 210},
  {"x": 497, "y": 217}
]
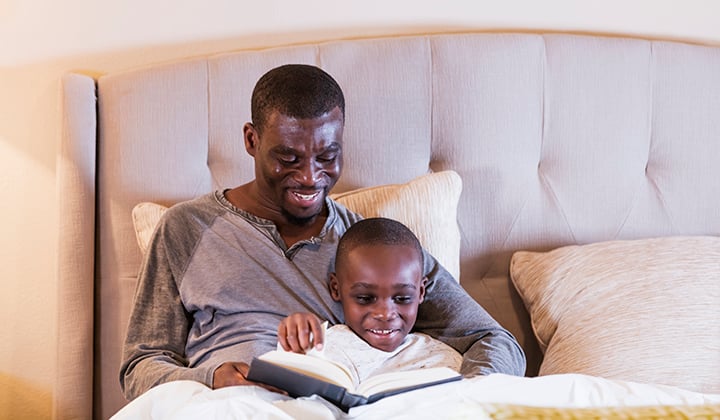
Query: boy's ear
[
  {"x": 422, "y": 288},
  {"x": 335, "y": 287}
]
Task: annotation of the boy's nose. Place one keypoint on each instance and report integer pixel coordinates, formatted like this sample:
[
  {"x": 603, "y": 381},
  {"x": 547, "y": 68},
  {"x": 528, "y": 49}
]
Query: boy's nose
[{"x": 384, "y": 312}]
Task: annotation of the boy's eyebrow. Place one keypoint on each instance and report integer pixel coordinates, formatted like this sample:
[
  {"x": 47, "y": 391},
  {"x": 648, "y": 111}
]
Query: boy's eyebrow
[
  {"x": 364, "y": 285},
  {"x": 360, "y": 284}
]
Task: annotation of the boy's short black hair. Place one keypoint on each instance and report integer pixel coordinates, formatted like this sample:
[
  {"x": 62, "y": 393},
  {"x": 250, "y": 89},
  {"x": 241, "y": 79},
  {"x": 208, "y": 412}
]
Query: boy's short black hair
[{"x": 377, "y": 231}]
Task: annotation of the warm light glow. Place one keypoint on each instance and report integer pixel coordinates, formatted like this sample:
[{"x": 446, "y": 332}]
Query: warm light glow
[{"x": 42, "y": 39}]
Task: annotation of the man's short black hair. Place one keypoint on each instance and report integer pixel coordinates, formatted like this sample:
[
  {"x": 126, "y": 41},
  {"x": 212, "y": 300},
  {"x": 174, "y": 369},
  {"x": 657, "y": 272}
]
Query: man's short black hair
[
  {"x": 295, "y": 90},
  {"x": 377, "y": 231}
]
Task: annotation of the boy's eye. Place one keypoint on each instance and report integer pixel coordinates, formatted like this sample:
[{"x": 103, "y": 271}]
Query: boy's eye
[
  {"x": 364, "y": 299},
  {"x": 403, "y": 299}
]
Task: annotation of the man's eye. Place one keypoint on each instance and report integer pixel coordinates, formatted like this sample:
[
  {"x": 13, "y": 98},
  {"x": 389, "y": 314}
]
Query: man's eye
[
  {"x": 288, "y": 160},
  {"x": 403, "y": 300},
  {"x": 327, "y": 158}
]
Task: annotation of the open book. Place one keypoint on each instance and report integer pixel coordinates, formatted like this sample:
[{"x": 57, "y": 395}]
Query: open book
[{"x": 308, "y": 374}]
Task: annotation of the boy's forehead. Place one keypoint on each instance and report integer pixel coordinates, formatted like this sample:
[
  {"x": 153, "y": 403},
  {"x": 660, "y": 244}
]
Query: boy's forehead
[
  {"x": 397, "y": 266},
  {"x": 384, "y": 281},
  {"x": 370, "y": 250}
]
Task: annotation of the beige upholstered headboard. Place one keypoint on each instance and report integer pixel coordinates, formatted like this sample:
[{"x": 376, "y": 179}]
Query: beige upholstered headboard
[{"x": 559, "y": 139}]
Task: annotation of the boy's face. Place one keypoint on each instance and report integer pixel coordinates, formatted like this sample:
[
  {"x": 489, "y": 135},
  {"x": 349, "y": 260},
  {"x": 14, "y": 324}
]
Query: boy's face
[{"x": 380, "y": 288}]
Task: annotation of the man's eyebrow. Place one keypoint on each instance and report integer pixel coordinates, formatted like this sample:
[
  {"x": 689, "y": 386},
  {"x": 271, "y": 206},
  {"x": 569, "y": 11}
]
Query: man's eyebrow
[
  {"x": 282, "y": 149},
  {"x": 331, "y": 148}
]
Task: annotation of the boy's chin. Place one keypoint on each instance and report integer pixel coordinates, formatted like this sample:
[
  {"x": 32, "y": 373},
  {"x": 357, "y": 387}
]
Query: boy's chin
[{"x": 385, "y": 342}]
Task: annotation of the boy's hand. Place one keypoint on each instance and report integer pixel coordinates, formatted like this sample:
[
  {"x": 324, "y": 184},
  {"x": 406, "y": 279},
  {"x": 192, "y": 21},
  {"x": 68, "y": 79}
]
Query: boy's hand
[{"x": 294, "y": 332}]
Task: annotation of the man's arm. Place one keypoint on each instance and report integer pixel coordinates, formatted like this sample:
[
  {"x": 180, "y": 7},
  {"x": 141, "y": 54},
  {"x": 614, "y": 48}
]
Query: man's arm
[
  {"x": 157, "y": 333},
  {"x": 451, "y": 315}
]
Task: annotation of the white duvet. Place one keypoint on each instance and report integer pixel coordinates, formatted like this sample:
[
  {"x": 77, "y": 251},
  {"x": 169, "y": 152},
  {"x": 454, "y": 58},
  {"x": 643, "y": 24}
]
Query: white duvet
[{"x": 468, "y": 398}]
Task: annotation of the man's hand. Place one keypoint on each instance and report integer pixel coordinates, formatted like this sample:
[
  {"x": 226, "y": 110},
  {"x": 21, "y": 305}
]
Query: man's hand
[
  {"x": 294, "y": 332},
  {"x": 235, "y": 373}
]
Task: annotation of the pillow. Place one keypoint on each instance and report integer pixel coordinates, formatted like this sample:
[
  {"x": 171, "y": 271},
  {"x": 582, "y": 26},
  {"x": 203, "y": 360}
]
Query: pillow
[
  {"x": 427, "y": 205},
  {"x": 644, "y": 310},
  {"x": 145, "y": 217},
  {"x": 667, "y": 412}
]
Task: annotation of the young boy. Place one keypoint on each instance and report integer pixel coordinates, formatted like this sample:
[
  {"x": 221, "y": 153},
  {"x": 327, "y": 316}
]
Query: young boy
[{"x": 379, "y": 282}]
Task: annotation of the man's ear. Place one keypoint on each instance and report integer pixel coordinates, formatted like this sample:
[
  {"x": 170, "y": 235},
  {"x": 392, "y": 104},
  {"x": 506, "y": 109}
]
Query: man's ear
[
  {"x": 422, "y": 288},
  {"x": 334, "y": 287},
  {"x": 250, "y": 137}
]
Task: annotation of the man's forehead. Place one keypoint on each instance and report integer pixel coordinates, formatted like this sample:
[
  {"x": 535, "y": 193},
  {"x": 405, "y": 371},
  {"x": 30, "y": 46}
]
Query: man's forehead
[{"x": 275, "y": 115}]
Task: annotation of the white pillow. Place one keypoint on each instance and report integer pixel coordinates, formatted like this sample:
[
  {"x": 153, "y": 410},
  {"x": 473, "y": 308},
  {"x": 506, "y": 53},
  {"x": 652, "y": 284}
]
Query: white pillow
[
  {"x": 644, "y": 310},
  {"x": 427, "y": 205},
  {"x": 145, "y": 218}
]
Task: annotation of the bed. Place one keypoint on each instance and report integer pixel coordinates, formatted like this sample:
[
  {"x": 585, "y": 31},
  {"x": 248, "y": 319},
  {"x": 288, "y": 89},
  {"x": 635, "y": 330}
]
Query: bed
[{"x": 572, "y": 182}]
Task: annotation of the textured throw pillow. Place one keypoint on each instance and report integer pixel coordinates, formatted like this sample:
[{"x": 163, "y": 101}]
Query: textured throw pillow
[
  {"x": 643, "y": 310},
  {"x": 145, "y": 217},
  {"x": 665, "y": 412},
  {"x": 427, "y": 205}
]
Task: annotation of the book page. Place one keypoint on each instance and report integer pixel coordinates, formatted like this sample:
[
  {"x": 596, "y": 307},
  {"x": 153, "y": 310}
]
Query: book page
[
  {"x": 395, "y": 380},
  {"x": 313, "y": 366}
]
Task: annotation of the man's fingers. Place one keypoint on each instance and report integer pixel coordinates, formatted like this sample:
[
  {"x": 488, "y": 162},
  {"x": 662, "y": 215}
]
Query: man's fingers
[
  {"x": 272, "y": 388},
  {"x": 230, "y": 373}
]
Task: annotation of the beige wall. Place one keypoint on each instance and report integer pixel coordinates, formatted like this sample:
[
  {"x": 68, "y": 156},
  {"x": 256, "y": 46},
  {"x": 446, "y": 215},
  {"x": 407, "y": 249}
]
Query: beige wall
[{"x": 42, "y": 39}]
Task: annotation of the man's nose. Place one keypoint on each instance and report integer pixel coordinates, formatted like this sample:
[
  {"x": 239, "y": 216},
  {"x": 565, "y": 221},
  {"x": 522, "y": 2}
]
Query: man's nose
[{"x": 308, "y": 174}]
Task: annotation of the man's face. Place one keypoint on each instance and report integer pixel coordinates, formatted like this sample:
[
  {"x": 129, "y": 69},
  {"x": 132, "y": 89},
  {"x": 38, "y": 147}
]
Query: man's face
[
  {"x": 380, "y": 287},
  {"x": 297, "y": 162}
]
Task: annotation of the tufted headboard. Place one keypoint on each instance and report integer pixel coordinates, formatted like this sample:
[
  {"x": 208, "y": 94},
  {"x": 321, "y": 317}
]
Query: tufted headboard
[{"x": 559, "y": 139}]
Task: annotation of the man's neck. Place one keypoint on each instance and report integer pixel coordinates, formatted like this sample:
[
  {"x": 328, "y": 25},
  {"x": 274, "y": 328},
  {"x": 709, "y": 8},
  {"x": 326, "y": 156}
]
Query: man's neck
[{"x": 291, "y": 231}]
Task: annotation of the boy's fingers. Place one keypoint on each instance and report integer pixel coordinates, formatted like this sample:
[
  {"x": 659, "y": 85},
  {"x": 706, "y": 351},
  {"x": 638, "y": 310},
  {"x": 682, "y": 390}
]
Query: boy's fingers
[
  {"x": 294, "y": 336},
  {"x": 304, "y": 328},
  {"x": 282, "y": 336},
  {"x": 299, "y": 332},
  {"x": 318, "y": 334}
]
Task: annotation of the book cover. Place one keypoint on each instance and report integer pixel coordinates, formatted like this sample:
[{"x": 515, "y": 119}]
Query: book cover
[{"x": 303, "y": 375}]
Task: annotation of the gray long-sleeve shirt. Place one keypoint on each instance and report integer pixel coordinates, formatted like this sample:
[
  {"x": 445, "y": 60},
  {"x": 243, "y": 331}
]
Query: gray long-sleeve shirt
[{"x": 217, "y": 281}]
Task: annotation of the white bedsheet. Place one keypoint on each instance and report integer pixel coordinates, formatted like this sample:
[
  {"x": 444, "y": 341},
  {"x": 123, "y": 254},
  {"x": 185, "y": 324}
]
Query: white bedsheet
[{"x": 463, "y": 399}]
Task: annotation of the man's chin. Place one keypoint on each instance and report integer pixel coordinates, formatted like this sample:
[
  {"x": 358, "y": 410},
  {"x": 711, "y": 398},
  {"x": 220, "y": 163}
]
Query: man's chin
[{"x": 302, "y": 219}]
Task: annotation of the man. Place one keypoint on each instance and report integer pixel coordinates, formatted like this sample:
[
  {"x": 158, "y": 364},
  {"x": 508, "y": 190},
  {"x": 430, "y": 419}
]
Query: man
[{"x": 224, "y": 269}]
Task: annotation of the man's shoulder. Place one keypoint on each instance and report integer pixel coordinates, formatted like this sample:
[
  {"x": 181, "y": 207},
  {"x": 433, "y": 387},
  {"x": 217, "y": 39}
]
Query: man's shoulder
[
  {"x": 199, "y": 211},
  {"x": 194, "y": 206}
]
